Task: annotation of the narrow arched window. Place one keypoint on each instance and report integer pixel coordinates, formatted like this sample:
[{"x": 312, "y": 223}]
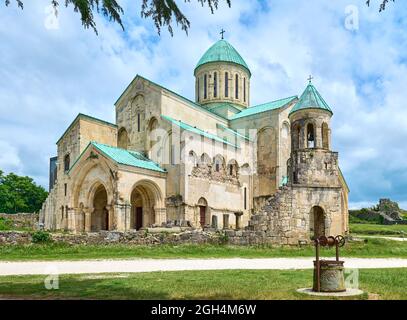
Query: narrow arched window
[
  {"x": 310, "y": 136},
  {"x": 198, "y": 91},
  {"x": 237, "y": 86},
  {"x": 215, "y": 84},
  {"x": 325, "y": 136},
  {"x": 205, "y": 86},
  {"x": 138, "y": 123},
  {"x": 67, "y": 161},
  {"x": 226, "y": 84},
  {"x": 244, "y": 89}
]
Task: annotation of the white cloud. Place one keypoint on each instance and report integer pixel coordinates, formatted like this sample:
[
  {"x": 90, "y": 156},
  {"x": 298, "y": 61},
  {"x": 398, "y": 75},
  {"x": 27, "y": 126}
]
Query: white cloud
[{"x": 48, "y": 76}]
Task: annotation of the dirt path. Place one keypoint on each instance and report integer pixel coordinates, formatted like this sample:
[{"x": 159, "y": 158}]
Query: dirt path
[{"x": 150, "y": 265}]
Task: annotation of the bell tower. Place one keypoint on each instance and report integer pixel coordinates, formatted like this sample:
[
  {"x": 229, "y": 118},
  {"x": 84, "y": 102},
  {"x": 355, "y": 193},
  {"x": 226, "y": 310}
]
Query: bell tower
[{"x": 312, "y": 162}]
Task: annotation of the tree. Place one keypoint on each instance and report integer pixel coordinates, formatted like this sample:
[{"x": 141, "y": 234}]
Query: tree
[
  {"x": 382, "y": 5},
  {"x": 20, "y": 194},
  {"x": 160, "y": 11}
]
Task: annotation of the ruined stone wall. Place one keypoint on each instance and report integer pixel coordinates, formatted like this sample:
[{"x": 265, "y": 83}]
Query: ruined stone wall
[
  {"x": 287, "y": 219},
  {"x": 22, "y": 220}
]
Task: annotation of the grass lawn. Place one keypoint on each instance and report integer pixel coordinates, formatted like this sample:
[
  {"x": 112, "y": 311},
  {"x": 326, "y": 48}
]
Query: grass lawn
[
  {"x": 368, "y": 248},
  {"x": 232, "y": 284},
  {"x": 378, "y": 229}
]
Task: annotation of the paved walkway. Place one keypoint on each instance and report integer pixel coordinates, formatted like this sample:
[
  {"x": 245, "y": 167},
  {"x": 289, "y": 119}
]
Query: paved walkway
[{"x": 150, "y": 265}]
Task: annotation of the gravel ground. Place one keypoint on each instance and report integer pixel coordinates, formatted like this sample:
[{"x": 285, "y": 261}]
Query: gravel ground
[{"x": 150, "y": 265}]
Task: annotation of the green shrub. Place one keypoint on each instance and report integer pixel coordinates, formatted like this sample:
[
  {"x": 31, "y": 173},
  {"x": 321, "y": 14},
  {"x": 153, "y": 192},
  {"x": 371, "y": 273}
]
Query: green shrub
[
  {"x": 5, "y": 224},
  {"x": 41, "y": 237}
]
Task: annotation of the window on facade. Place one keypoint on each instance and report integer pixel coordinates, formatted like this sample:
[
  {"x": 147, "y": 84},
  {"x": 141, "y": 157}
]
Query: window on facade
[
  {"x": 325, "y": 136},
  {"x": 226, "y": 84},
  {"x": 217, "y": 167},
  {"x": 198, "y": 91},
  {"x": 67, "y": 161},
  {"x": 310, "y": 136},
  {"x": 172, "y": 154},
  {"x": 65, "y": 187},
  {"x": 244, "y": 89},
  {"x": 237, "y": 86},
  {"x": 138, "y": 123},
  {"x": 245, "y": 198},
  {"x": 231, "y": 170},
  {"x": 205, "y": 86},
  {"x": 215, "y": 84}
]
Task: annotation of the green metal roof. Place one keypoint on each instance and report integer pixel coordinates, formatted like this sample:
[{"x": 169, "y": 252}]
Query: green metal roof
[
  {"x": 127, "y": 157},
  {"x": 222, "y": 51},
  {"x": 263, "y": 108},
  {"x": 311, "y": 99},
  {"x": 190, "y": 128}
]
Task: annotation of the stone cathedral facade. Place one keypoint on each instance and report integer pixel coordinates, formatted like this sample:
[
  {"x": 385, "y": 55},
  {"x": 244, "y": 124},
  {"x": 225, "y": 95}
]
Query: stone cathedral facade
[{"x": 217, "y": 162}]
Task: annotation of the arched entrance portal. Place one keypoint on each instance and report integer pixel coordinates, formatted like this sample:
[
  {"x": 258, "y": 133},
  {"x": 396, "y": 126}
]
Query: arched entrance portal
[
  {"x": 100, "y": 215},
  {"x": 145, "y": 203},
  {"x": 317, "y": 222},
  {"x": 203, "y": 208}
]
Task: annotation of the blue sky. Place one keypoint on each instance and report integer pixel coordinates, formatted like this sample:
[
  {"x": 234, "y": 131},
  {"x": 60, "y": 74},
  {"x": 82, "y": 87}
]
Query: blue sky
[{"x": 48, "y": 76}]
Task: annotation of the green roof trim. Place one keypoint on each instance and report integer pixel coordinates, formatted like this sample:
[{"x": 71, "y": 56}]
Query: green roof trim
[
  {"x": 277, "y": 104},
  {"x": 128, "y": 157},
  {"x": 188, "y": 101},
  {"x": 222, "y": 51},
  {"x": 311, "y": 99},
  {"x": 217, "y": 105},
  {"x": 234, "y": 132},
  {"x": 123, "y": 156},
  {"x": 86, "y": 117},
  {"x": 200, "y": 132}
]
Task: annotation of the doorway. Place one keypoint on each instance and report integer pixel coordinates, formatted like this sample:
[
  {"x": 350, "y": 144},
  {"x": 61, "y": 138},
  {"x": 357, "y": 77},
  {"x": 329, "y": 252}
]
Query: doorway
[{"x": 317, "y": 222}]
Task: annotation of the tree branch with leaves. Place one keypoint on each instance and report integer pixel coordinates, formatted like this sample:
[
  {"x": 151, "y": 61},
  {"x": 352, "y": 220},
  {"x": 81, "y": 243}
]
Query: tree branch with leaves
[{"x": 162, "y": 12}]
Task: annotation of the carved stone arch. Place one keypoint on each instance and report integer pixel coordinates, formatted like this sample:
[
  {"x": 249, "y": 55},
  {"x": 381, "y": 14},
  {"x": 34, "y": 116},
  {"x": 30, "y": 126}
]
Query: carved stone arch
[
  {"x": 219, "y": 163},
  {"x": 138, "y": 112},
  {"x": 123, "y": 140},
  {"x": 310, "y": 133},
  {"x": 79, "y": 176},
  {"x": 233, "y": 168},
  {"x": 325, "y": 135},
  {"x": 193, "y": 158},
  {"x": 266, "y": 150},
  {"x": 205, "y": 160},
  {"x": 147, "y": 204},
  {"x": 285, "y": 130}
]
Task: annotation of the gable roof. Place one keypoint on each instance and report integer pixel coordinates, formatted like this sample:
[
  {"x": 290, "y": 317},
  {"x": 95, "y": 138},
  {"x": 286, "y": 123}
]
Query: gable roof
[
  {"x": 277, "y": 104},
  {"x": 89, "y": 118},
  {"x": 186, "y": 100},
  {"x": 198, "y": 131},
  {"x": 311, "y": 99},
  {"x": 124, "y": 157},
  {"x": 222, "y": 51}
]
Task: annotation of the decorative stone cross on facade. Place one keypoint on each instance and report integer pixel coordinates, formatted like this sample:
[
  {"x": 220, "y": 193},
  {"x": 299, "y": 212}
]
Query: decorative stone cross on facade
[
  {"x": 222, "y": 32},
  {"x": 310, "y": 78}
]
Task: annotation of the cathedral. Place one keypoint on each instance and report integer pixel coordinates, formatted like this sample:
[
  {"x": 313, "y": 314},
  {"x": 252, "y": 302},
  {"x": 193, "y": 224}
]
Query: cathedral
[{"x": 217, "y": 162}]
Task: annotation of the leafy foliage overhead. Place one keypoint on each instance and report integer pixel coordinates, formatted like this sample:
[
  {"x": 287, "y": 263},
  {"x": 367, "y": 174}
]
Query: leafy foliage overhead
[
  {"x": 382, "y": 5},
  {"x": 20, "y": 194},
  {"x": 160, "y": 11}
]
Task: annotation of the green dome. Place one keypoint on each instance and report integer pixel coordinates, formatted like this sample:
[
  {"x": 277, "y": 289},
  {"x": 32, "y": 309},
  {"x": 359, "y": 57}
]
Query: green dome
[
  {"x": 222, "y": 51},
  {"x": 311, "y": 99}
]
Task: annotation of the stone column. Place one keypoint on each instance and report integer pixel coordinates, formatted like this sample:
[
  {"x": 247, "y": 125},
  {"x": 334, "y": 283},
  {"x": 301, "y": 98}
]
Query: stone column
[
  {"x": 238, "y": 216},
  {"x": 88, "y": 219},
  {"x": 110, "y": 213},
  {"x": 160, "y": 215},
  {"x": 122, "y": 213},
  {"x": 226, "y": 221}
]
